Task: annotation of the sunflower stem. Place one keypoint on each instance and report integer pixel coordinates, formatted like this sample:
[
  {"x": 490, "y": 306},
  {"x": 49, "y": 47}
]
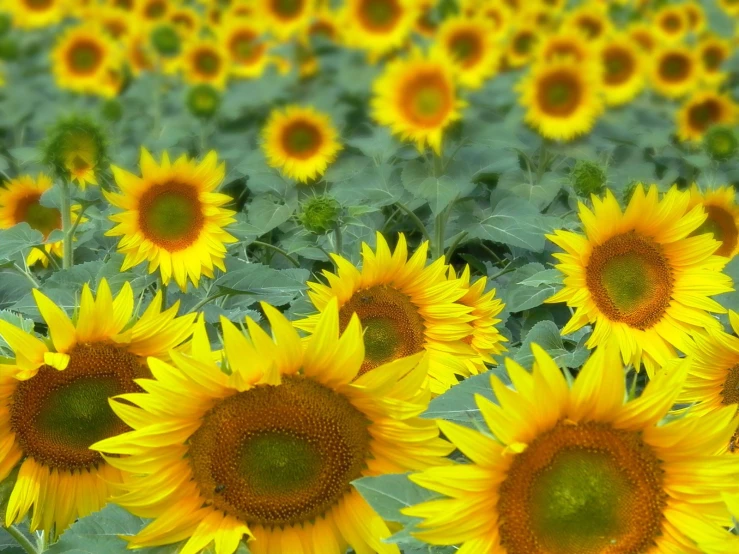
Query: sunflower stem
[
  {"x": 21, "y": 539},
  {"x": 206, "y": 300},
  {"x": 67, "y": 228},
  {"x": 455, "y": 243},
  {"x": 163, "y": 288},
  {"x": 338, "y": 248},
  {"x": 42, "y": 541},
  {"x": 421, "y": 227},
  {"x": 27, "y": 274},
  {"x": 279, "y": 250}
]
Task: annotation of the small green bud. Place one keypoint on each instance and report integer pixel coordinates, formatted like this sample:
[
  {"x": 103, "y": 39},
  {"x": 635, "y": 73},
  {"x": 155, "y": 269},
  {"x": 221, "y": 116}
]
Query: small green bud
[
  {"x": 112, "y": 110},
  {"x": 721, "y": 142},
  {"x": 9, "y": 50},
  {"x": 166, "y": 40},
  {"x": 75, "y": 149},
  {"x": 320, "y": 214},
  {"x": 203, "y": 101},
  {"x": 5, "y": 24},
  {"x": 588, "y": 178}
]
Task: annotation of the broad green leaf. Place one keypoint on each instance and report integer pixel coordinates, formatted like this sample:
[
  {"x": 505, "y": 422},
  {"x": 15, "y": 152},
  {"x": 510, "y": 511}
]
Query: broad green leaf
[
  {"x": 388, "y": 494},
  {"x": 19, "y": 238},
  {"x": 547, "y": 335},
  {"x": 529, "y": 286},
  {"x": 439, "y": 192},
  {"x": 263, "y": 283}
]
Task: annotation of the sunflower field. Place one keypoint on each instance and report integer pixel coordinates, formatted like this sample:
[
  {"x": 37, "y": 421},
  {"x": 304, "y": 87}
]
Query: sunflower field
[{"x": 369, "y": 276}]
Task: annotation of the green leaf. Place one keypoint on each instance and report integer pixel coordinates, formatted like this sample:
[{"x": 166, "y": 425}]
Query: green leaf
[
  {"x": 530, "y": 286},
  {"x": 458, "y": 403},
  {"x": 388, "y": 494},
  {"x": 378, "y": 144},
  {"x": 264, "y": 213},
  {"x": 18, "y": 238},
  {"x": 547, "y": 335},
  {"x": 14, "y": 319},
  {"x": 514, "y": 222},
  {"x": 264, "y": 283},
  {"x": 439, "y": 192},
  {"x": 539, "y": 193}
]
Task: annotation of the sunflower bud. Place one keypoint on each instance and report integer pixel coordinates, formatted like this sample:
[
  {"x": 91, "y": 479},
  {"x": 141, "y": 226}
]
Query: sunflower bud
[
  {"x": 721, "y": 142},
  {"x": 588, "y": 178},
  {"x": 112, "y": 110},
  {"x": 320, "y": 214},
  {"x": 75, "y": 150},
  {"x": 166, "y": 40},
  {"x": 203, "y": 101}
]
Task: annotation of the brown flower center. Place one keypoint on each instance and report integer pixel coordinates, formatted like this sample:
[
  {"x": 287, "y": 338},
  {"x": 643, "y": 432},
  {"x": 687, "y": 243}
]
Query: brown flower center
[
  {"x": 587, "y": 488},
  {"x": 379, "y": 16},
  {"x": 85, "y": 57},
  {"x": 279, "y": 455},
  {"x": 619, "y": 65},
  {"x": 675, "y": 67},
  {"x": 466, "y": 47},
  {"x": 426, "y": 99},
  {"x": 730, "y": 388},
  {"x": 39, "y": 217},
  {"x": 56, "y": 415},
  {"x": 171, "y": 215},
  {"x": 721, "y": 223},
  {"x": 559, "y": 94},
  {"x": 630, "y": 280}
]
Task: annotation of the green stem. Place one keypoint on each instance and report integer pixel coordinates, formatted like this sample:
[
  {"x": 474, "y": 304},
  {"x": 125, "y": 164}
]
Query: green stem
[
  {"x": 438, "y": 166},
  {"x": 278, "y": 250},
  {"x": 503, "y": 271},
  {"x": 207, "y": 299},
  {"x": 27, "y": 275},
  {"x": 414, "y": 218},
  {"x": 203, "y": 135},
  {"x": 163, "y": 288},
  {"x": 42, "y": 541},
  {"x": 337, "y": 236},
  {"x": 21, "y": 539},
  {"x": 67, "y": 229},
  {"x": 498, "y": 259},
  {"x": 389, "y": 220},
  {"x": 450, "y": 251},
  {"x": 437, "y": 247}
]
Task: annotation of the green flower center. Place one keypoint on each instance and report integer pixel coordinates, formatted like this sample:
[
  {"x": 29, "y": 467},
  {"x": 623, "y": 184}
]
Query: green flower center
[
  {"x": 712, "y": 58},
  {"x": 246, "y": 48},
  {"x": 703, "y": 115},
  {"x": 207, "y": 63},
  {"x": 171, "y": 216},
  {"x": 619, "y": 66},
  {"x": 672, "y": 23},
  {"x": 426, "y": 100},
  {"x": 559, "y": 94},
  {"x": 39, "y": 217},
  {"x": 523, "y": 42},
  {"x": 379, "y": 15},
  {"x": 156, "y": 9},
  {"x": 280, "y": 455},
  {"x": 674, "y": 67},
  {"x": 393, "y": 328},
  {"x": 85, "y": 57},
  {"x": 723, "y": 227},
  {"x": 466, "y": 48},
  {"x": 630, "y": 280},
  {"x": 585, "y": 488},
  {"x": 57, "y": 415}
]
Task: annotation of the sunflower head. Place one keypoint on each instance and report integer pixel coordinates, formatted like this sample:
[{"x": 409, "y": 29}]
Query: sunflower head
[
  {"x": 473, "y": 51},
  {"x": 320, "y": 214},
  {"x": 588, "y": 178},
  {"x": 671, "y": 23},
  {"x": 300, "y": 141},
  {"x": 562, "y": 101},
  {"x": 34, "y": 14},
  {"x": 206, "y": 62},
  {"x": 622, "y": 70},
  {"x": 417, "y": 97},
  {"x": 56, "y": 392},
  {"x": 722, "y": 218},
  {"x": 270, "y": 447},
  {"x": 578, "y": 469},
  {"x": 173, "y": 217},
  {"x": 203, "y": 101},
  {"x": 703, "y": 110},
  {"x": 675, "y": 71},
  {"x": 379, "y": 26},
  {"x": 76, "y": 150},
  {"x": 166, "y": 40},
  {"x": 721, "y": 142},
  {"x": 629, "y": 275}
]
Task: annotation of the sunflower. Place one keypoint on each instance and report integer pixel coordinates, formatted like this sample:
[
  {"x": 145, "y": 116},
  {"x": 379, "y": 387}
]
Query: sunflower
[
  {"x": 417, "y": 98},
  {"x": 426, "y": 25},
  {"x": 378, "y": 26},
  {"x": 82, "y": 59},
  {"x": 522, "y": 44},
  {"x": 731, "y": 7},
  {"x": 696, "y": 17},
  {"x": 326, "y": 23},
  {"x": 485, "y": 338},
  {"x": 701, "y": 111},
  {"x": 590, "y": 21},
  {"x": 499, "y": 17},
  {"x": 675, "y": 71},
  {"x": 300, "y": 141},
  {"x": 152, "y": 12},
  {"x": 723, "y": 217},
  {"x": 77, "y": 149},
  {"x": 714, "y": 52},
  {"x": 471, "y": 47},
  {"x": 405, "y": 307},
  {"x": 186, "y": 20},
  {"x": 639, "y": 277},
  {"x": 206, "y": 61},
  {"x": 33, "y": 14},
  {"x": 562, "y": 101},
  {"x": 138, "y": 53},
  {"x": 623, "y": 70},
  {"x": 284, "y": 18},
  {"x": 55, "y": 400},
  {"x": 671, "y": 23},
  {"x": 173, "y": 217},
  {"x": 247, "y": 48},
  {"x": 565, "y": 46},
  {"x": 580, "y": 470},
  {"x": 116, "y": 21},
  {"x": 19, "y": 202},
  {"x": 642, "y": 34},
  {"x": 270, "y": 449}
]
